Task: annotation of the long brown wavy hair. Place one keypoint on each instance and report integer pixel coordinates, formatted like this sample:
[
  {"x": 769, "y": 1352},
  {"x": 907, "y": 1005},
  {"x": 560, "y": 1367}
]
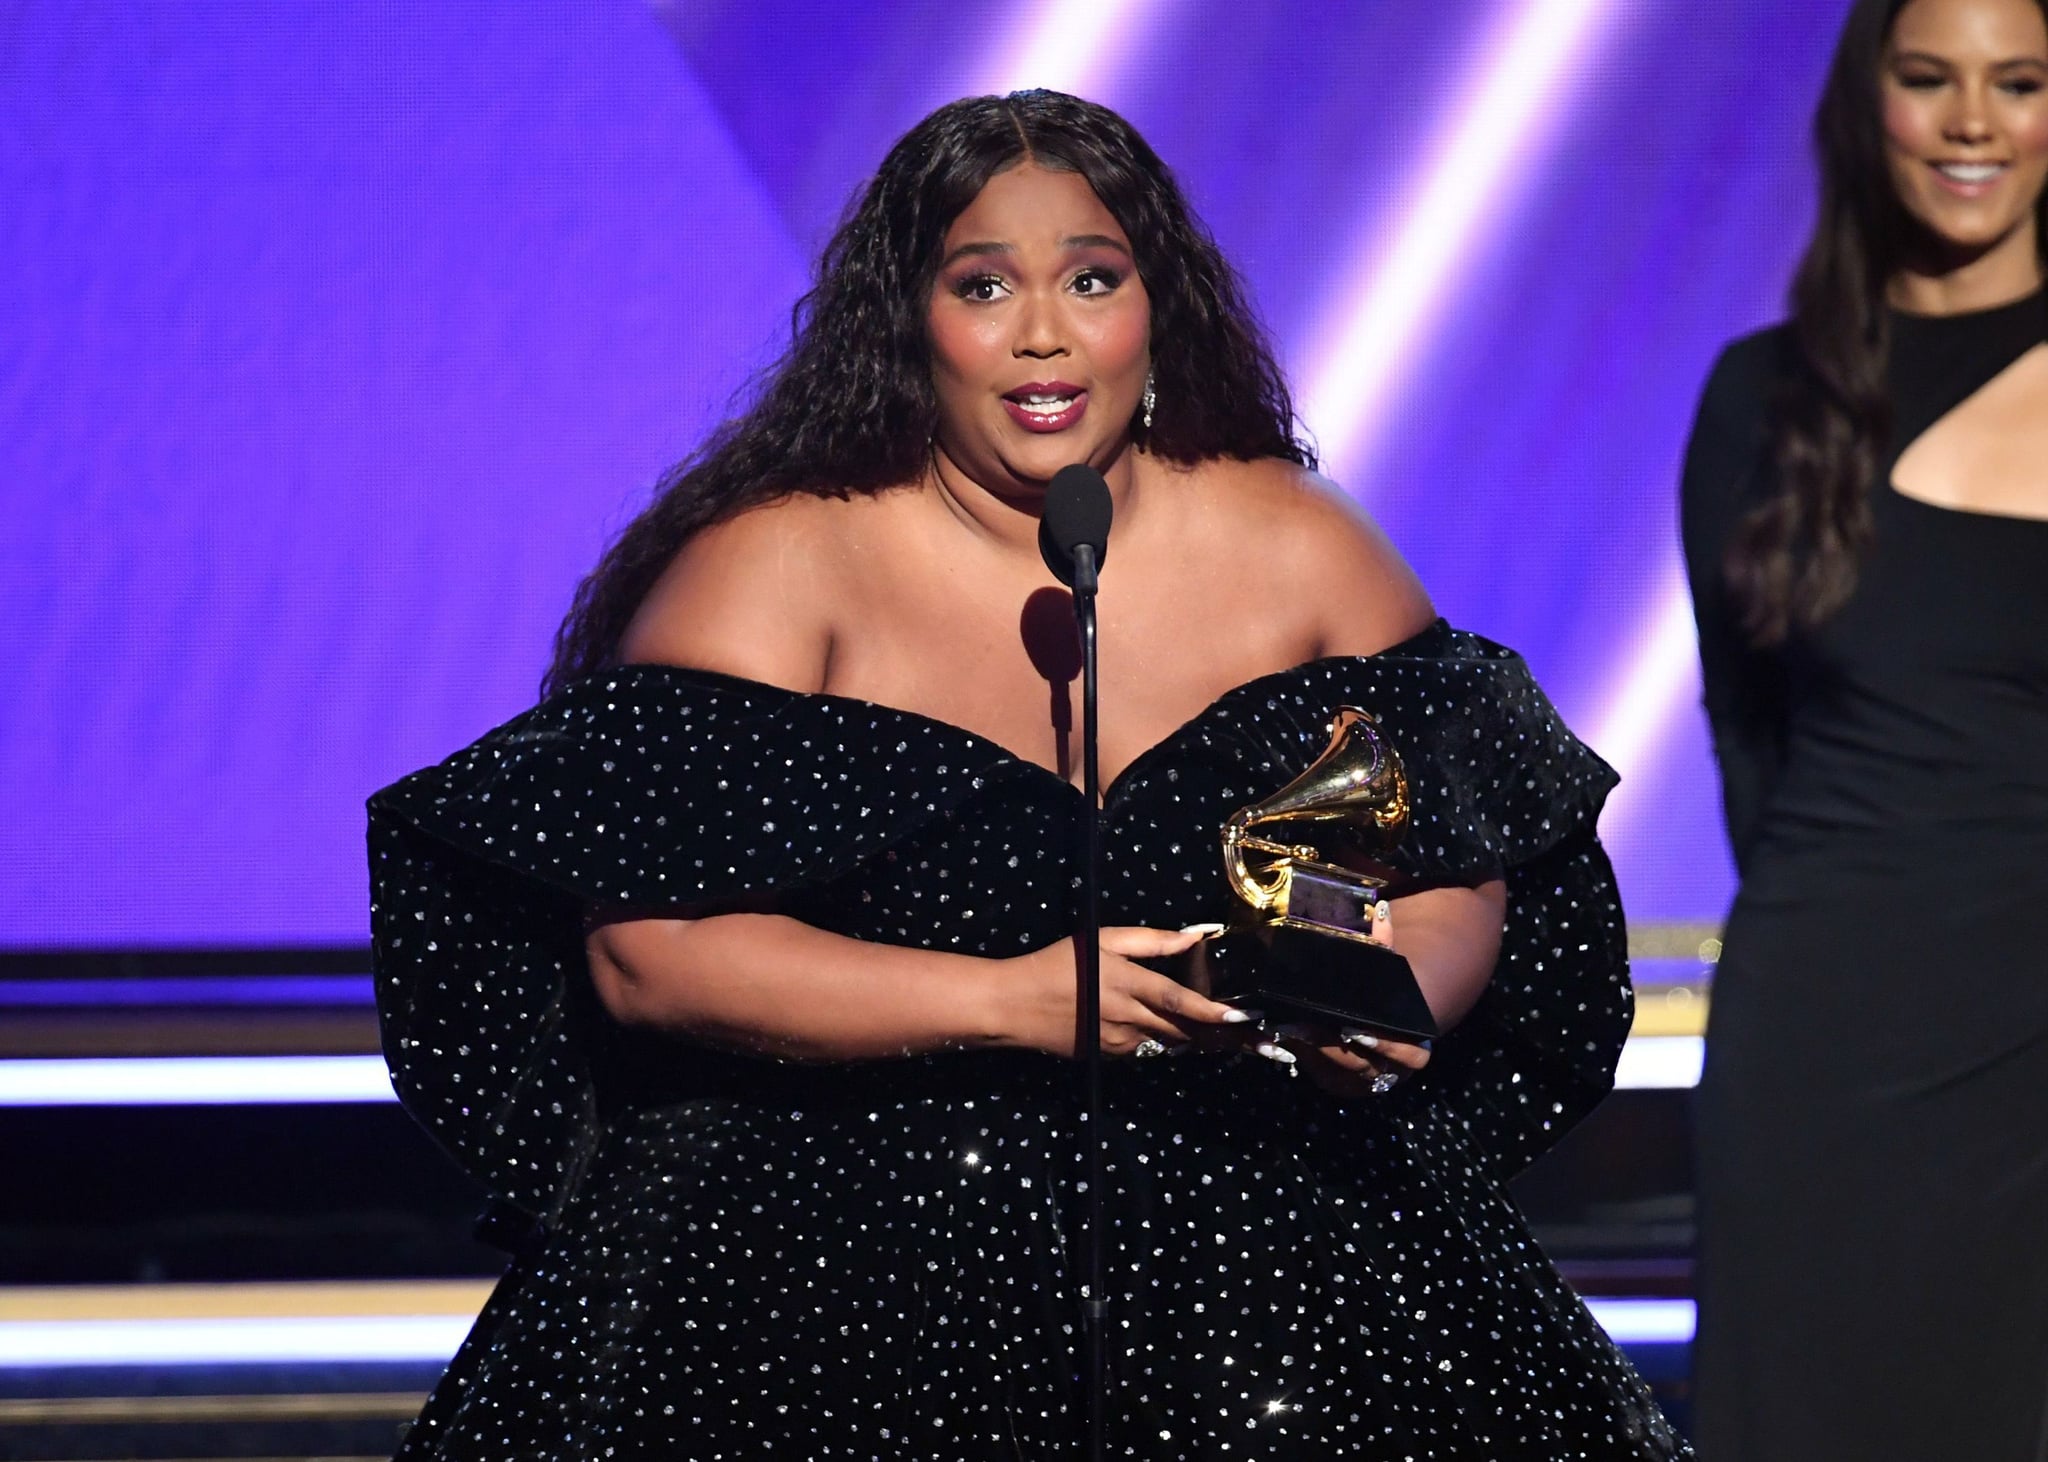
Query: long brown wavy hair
[
  {"x": 1794, "y": 560},
  {"x": 850, "y": 408}
]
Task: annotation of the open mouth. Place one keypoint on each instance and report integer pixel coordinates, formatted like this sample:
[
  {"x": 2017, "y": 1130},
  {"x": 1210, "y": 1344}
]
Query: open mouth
[
  {"x": 1971, "y": 175},
  {"x": 1046, "y": 405}
]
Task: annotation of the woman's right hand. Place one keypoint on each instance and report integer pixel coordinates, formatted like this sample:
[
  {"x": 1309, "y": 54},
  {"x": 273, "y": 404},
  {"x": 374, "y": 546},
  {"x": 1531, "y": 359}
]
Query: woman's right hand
[{"x": 1042, "y": 991}]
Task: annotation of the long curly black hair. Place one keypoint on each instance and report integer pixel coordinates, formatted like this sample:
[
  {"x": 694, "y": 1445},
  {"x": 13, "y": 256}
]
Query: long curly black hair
[
  {"x": 1794, "y": 560},
  {"x": 850, "y": 407}
]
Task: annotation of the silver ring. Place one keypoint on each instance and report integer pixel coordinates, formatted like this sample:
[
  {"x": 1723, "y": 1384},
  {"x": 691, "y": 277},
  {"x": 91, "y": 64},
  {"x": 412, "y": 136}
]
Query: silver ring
[
  {"x": 1149, "y": 1047},
  {"x": 1385, "y": 1082}
]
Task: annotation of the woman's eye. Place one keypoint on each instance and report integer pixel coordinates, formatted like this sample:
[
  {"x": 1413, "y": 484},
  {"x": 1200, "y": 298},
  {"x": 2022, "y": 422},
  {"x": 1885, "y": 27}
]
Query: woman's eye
[
  {"x": 1096, "y": 281},
  {"x": 2023, "y": 85},
  {"x": 1921, "y": 82},
  {"x": 982, "y": 288}
]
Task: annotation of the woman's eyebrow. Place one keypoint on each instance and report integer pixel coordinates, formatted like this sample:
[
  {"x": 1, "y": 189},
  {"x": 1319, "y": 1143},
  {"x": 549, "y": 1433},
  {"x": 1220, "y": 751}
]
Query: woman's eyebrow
[
  {"x": 967, "y": 251},
  {"x": 2005, "y": 63},
  {"x": 1073, "y": 241}
]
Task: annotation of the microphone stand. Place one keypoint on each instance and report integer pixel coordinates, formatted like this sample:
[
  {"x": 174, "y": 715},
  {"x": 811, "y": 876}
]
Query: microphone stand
[{"x": 1088, "y": 939}]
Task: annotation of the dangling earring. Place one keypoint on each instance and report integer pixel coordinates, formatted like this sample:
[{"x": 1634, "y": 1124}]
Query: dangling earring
[{"x": 1151, "y": 400}]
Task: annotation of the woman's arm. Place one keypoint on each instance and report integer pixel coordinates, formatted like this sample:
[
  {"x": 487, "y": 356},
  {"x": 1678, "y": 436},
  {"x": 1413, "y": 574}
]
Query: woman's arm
[
  {"x": 1742, "y": 690},
  {"x": 1451, "y": 937},
  {"x": 775, "y": 986}
]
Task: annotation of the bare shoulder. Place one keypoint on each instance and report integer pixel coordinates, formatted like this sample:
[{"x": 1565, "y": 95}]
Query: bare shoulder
[
  {"x": 1359, "y": 591},
  {"x": 748, "y": 596}
]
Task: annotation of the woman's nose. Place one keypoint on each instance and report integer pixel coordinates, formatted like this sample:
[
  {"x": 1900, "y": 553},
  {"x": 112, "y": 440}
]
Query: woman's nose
[
  {"x": 1040, "y": 331},
  {"x": 1970, "y": 120}
]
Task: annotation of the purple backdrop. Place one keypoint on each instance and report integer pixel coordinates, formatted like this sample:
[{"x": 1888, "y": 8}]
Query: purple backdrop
[{"x": 334, "y": 338}]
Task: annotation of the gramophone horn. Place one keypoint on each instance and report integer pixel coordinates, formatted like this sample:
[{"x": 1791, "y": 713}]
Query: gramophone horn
[{"x": 1358, "y": 781}]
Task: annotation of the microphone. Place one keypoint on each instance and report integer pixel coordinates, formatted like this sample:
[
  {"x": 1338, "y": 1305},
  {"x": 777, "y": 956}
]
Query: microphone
[{"x": 1073, "y": 535}]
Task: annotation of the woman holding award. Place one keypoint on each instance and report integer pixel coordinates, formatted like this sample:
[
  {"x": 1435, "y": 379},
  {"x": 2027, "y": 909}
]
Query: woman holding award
[
  {"x": 1866, "y": 524},
  {"x": 743, "y": 963}
]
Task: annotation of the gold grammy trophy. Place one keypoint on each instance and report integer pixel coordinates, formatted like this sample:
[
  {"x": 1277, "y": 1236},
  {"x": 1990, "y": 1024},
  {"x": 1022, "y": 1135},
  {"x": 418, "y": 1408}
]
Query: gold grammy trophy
[{"x": 1300, "y": 944}]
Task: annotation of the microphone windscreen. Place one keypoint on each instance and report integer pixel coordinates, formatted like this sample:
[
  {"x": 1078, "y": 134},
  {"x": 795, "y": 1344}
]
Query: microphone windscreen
[{"x": 1077, "y": 511}]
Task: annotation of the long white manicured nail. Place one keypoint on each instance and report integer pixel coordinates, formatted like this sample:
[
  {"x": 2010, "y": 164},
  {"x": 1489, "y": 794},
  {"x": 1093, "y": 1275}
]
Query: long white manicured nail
[
  {"x": 1238, "y": 1017},
  {"x": 1275, "y": 1053},
  {"x": 1205, "y": 930},
  {"x": 1353, "y": 1036}
]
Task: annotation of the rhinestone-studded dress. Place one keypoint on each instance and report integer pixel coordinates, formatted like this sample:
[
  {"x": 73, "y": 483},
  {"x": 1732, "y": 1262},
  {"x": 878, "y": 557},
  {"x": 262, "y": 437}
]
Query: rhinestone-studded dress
[{"x": 747, "y": 1259}]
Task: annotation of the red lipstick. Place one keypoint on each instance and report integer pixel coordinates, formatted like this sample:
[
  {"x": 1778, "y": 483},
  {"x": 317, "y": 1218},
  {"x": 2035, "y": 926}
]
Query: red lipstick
[{"x": 1046, "y": 406}]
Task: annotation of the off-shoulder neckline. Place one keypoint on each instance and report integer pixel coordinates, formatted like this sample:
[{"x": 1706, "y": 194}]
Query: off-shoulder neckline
[{"x": 994, "y": 751}]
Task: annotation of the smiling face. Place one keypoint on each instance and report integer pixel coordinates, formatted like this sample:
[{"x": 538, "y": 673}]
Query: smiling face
[
  {"x": 1040, "y": 331},
  {"x": 1965, "y": 96}
]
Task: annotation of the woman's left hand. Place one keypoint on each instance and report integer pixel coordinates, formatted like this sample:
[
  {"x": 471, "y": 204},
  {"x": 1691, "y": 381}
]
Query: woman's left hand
[{"x": 1351, "y": 1063}]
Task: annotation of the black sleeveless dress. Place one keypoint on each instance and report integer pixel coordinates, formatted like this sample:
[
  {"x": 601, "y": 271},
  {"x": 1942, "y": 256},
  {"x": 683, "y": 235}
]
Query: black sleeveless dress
[
  {"x": 745, "y": 1258},
  {"x": 1874, "y": 1112}
]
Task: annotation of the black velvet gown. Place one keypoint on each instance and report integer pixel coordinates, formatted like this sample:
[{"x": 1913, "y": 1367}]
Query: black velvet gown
[
  {"x": 743, "y": 1258},
  {"x": 1874, "y": 1112}
]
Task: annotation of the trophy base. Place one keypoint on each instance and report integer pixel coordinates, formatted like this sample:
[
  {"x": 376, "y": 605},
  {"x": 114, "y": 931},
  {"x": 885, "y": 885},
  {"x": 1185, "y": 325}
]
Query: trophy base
[{"x": 1293, "y": 972}]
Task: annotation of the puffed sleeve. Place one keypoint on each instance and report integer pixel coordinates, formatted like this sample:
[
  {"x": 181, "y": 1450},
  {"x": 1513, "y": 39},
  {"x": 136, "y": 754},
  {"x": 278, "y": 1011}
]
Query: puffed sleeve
[
  {"x": 651, "y": 789},
  {"x": 1726, "y": 468},
  {"x": 1502, "y": 788}
]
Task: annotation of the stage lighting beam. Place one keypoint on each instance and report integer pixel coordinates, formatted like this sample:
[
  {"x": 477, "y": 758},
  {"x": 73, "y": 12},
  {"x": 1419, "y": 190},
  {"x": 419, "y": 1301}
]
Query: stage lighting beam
[
  {"x": 1517, "y": 94},
  {"x": 1659, "y": 673}
]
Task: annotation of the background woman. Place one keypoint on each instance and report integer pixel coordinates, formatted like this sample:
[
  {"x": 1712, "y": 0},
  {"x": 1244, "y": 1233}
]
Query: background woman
[
  {"x": 1866, "y": 525},
  {"x": 742, "y": 963}
]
